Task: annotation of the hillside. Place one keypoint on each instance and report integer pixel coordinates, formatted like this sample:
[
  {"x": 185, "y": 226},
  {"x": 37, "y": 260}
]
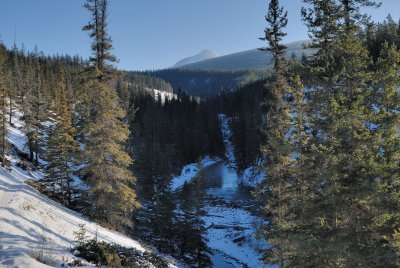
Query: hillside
[
  {"x": 34, "y": 227},
  {"x": 250, "y": 59}
]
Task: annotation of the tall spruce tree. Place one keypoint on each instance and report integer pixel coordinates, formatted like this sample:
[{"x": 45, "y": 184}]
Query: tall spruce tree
[
  {"x": 337, "y": 213},
  {"x": 351, "y": 14},
  {"x": 106, "y": 162},
  {"x": 386, "y": 250},
  {"x": 3, "y": 105},
  {"x": 34, "y": 107},
  {"x": 17, "y": 81},
  {"x": 62, "y": 149},
  {"x": 321, "y": 18},
  {"x": 275, "y": 190},
  {"x": 191, "y": 240}
]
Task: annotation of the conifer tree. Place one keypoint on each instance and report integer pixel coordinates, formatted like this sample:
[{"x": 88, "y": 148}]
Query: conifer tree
[
  {"x": 3, "y": 106},
  {"x": 275, "y": 189},
  {"x": 62, "y": 149},
  {"x": 106, "y": 162},
  {"x": 17, "y": 80},
  {"x": 192, "y": 241},
  {"x": 34, "y": 107},
  {"x": 352, "y": 15},
  {"x": 336, "y": 215},
  {"x": 386, "y": 251},
  {"x": 321, "y": 18},
  {"x": 273, "y": 34}
]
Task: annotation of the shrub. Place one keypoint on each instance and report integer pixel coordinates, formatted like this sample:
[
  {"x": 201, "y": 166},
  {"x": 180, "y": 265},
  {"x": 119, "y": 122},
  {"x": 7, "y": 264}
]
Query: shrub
[{"x": 112, "y": 255}]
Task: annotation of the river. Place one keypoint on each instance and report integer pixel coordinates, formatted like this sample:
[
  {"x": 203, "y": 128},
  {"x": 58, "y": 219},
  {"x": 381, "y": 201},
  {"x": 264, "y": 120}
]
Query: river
[
  {"x": 233, "y": 213},
  {"x": 231, "y": 218}
]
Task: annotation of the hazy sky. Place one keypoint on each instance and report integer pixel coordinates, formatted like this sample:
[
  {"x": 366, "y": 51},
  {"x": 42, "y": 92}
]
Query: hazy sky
[{"x": 152, "y": 34}]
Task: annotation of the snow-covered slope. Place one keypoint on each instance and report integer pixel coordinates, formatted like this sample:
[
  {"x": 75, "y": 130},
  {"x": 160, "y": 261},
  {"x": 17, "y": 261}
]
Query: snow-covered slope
[
  {"x": 204, "y": 55},
  {"x": 31, "y": 224},
  {"x": 189, "y": 172},
  {"x": 252, "y": 176},
  {"x": 164, "y": 95}
]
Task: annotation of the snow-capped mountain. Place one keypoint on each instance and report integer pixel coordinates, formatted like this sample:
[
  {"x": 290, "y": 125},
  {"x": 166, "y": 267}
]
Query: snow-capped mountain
[
  {"x": 204, "y": 55},
  {"x": 250, "y": 59}
]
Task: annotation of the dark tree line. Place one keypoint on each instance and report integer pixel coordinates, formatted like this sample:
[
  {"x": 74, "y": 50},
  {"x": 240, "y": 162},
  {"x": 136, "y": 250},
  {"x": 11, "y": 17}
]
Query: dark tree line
[
  {"x": 204, "y": 83},
  {"x": 244, "y": 107},
  {"x": 167, "y": 135}
]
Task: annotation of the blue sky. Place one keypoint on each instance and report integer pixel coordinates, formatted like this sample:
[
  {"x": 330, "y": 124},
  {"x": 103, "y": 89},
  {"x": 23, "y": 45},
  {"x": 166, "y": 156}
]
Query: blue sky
[{"x": 152, "y": 34}]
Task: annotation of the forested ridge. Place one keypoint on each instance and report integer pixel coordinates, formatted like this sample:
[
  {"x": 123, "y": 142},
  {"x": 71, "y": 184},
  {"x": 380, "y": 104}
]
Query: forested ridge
[
  {"x": 206, "y": 83},
  {"x": 323, "y": 129}
]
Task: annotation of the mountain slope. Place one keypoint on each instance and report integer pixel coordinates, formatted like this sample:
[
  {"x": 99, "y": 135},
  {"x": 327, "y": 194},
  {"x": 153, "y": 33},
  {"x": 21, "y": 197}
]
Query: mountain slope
[
  {"x": 30, "y": 222},
  {"x": 250, "y": 59},
  {"x": 204, "y": 55},
  {"x": 32, "y": 225}
]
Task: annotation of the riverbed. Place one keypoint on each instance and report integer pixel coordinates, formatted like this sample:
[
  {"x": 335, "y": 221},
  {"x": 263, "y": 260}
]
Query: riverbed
[{"x": 232, "y": 219}]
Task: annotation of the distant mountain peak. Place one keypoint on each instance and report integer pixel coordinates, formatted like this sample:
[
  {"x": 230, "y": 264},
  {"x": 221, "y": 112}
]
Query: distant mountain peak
[
  {"x": 203, "y": 55},
  {"x": 245, "y": 60}
]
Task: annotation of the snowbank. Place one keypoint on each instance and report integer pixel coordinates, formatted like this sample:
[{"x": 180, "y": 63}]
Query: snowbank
[
  {"x": 231, "y": 231},
  {"x": 252, "y": 176},
  {"x": 30, "y": 222},
  {"x": 189, "y": 172},
  {"x": 164, "y": 95}
]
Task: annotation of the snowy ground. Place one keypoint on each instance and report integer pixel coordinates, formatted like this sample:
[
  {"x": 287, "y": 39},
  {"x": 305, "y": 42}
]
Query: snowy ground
[
  {"x": 32, "y": 224},
  {"x": 231, "y": 233},
  {"x": 164, "y": 95},
  {"x": 230, "y": 227},
  {"x": 252, "y": 176},
  {"x": 189, "y": 172}
]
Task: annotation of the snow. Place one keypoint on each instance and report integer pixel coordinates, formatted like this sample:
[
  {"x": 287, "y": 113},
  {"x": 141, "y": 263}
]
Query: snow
[
  {"x": 189, "y": 172},
  {"x": 31, "y": 223},
  {"x": 227, "y": 224},
  {"x": 16, "y": 135},
  {"x": 231, "y": 230},
  {"x": 164, "y": 95},
  {"x": 252, "y": 176}
]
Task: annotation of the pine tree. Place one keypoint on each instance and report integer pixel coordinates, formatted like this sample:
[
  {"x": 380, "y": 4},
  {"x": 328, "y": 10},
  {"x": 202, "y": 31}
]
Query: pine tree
[
  {"x": 102, "y": 43},
  {"x": 321, "y": 18},
  {"x": 106, "y": 162},
  {"x": 277, "y": 20},
  {"x": 336, "y": 219},
  {"x": 351, "y": 13},
  {"x": 192, "y": 241},
  {"x": 34, "y": 108},
  {"x": 275, "y": 190},
  {"x": 16, "y": 77},
  {"x": 3, "y": 105},
  {"x": 62, "y": 149},
  {"x": 386, "y": 95}
]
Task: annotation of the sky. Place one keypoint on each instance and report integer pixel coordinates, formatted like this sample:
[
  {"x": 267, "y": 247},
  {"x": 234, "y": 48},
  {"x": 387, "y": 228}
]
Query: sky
[{"x": 152, "y": 34}]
